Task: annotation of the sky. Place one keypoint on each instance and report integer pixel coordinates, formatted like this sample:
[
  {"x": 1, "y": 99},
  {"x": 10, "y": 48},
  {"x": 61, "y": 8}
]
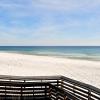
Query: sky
[{"x": 50, "y": 22}]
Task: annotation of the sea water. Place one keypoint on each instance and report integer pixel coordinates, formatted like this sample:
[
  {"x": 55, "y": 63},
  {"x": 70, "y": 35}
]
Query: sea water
[{"x": 72, "y": 52}]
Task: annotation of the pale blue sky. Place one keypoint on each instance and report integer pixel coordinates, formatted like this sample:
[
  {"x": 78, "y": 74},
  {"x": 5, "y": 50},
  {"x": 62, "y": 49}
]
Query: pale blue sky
[{"x": 49, "y": 22}]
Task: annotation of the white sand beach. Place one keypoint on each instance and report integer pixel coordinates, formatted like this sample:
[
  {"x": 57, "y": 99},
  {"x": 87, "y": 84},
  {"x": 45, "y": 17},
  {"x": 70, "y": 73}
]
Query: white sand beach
[{"x": 31, "y": 65}]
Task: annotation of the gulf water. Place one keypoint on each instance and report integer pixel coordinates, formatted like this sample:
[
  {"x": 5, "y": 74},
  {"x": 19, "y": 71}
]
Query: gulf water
[{"x": 72, "y": 52}]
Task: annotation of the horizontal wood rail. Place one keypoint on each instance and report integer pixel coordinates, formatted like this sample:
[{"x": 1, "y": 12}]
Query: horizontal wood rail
[
  {"x": 80, "y": 90},
  {"x": 45, "y": 88}
]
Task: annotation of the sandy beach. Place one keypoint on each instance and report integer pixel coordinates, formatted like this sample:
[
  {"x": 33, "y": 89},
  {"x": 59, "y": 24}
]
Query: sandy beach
[{"x": 31, "y": 65}]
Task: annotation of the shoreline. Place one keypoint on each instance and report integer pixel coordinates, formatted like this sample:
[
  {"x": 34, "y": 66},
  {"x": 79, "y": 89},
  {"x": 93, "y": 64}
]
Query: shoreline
[
  {"x": 40, "y": 55},
  {"x": 31, "y": 65}
]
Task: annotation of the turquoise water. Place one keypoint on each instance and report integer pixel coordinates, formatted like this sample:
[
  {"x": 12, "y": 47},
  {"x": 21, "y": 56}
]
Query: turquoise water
[{"x": 73, "y": 52}]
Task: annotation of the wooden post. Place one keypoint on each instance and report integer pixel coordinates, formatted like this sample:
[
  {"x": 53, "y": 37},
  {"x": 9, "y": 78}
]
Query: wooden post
[
  {"x": 57, "y": 95},
  {"x": 33, "y": 92},
  {"x": 57, "y": 83},
  {"x": 21, "y": 97},
  {"x": 73, "y": 89},
  {"x": 61, "y": 84},
  {"x": 45, "y": 91},
  {"x": 89, "y": 94},
  {"x": 5, "y": 93},
  {"x": 65, "y": 98},
  {"x": 50, "y": 89}
]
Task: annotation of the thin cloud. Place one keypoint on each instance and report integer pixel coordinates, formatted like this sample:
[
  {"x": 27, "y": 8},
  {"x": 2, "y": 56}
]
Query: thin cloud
[
  {"x": 49, "y": 22},
  {"x": 68, "y": 5},
  {"x": 53, "y": 42}
]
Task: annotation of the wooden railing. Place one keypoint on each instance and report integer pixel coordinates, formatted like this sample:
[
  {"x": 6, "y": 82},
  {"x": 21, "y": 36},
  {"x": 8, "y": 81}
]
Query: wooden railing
[
  {"x": 46, "y": 88},
  {"x": 80, "y": 90},
  {"x": 26, "y": 88}
]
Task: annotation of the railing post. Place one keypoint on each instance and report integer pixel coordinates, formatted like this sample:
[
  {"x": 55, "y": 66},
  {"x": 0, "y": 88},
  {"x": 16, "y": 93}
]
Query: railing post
[
  {"x": 50, "y": 89},
  {"x": 57, "y": 95},
  {"x": 65, "y": 98},
  {"x": 33, "y": 92},
  {"x": 45, "y": 91},
  {"x": 5, "y": 93},
  {"x": 89, "y": 94},
  {"x": 62, "y": 83},
  {"x": 73, "y": 89},
  {"x": 57, "y": 83},
  {"x": 21, "y": 97}
]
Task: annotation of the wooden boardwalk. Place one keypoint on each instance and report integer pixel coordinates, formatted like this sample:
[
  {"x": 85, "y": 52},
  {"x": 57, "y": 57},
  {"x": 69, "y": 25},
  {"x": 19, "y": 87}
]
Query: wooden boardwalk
[{"x": 45, "y": 88}]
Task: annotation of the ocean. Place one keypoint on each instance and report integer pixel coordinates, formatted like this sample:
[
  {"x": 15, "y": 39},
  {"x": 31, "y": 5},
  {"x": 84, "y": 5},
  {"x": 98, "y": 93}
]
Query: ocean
[{"x": 72, "y": 52}]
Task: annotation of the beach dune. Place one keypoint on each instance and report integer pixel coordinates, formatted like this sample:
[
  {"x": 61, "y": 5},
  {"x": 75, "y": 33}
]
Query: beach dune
[{"x": 32, "y": 65}]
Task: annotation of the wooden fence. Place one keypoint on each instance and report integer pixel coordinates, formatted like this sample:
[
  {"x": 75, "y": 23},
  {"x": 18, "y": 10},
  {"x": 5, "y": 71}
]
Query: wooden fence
[{"x": 45, "y": 88}]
